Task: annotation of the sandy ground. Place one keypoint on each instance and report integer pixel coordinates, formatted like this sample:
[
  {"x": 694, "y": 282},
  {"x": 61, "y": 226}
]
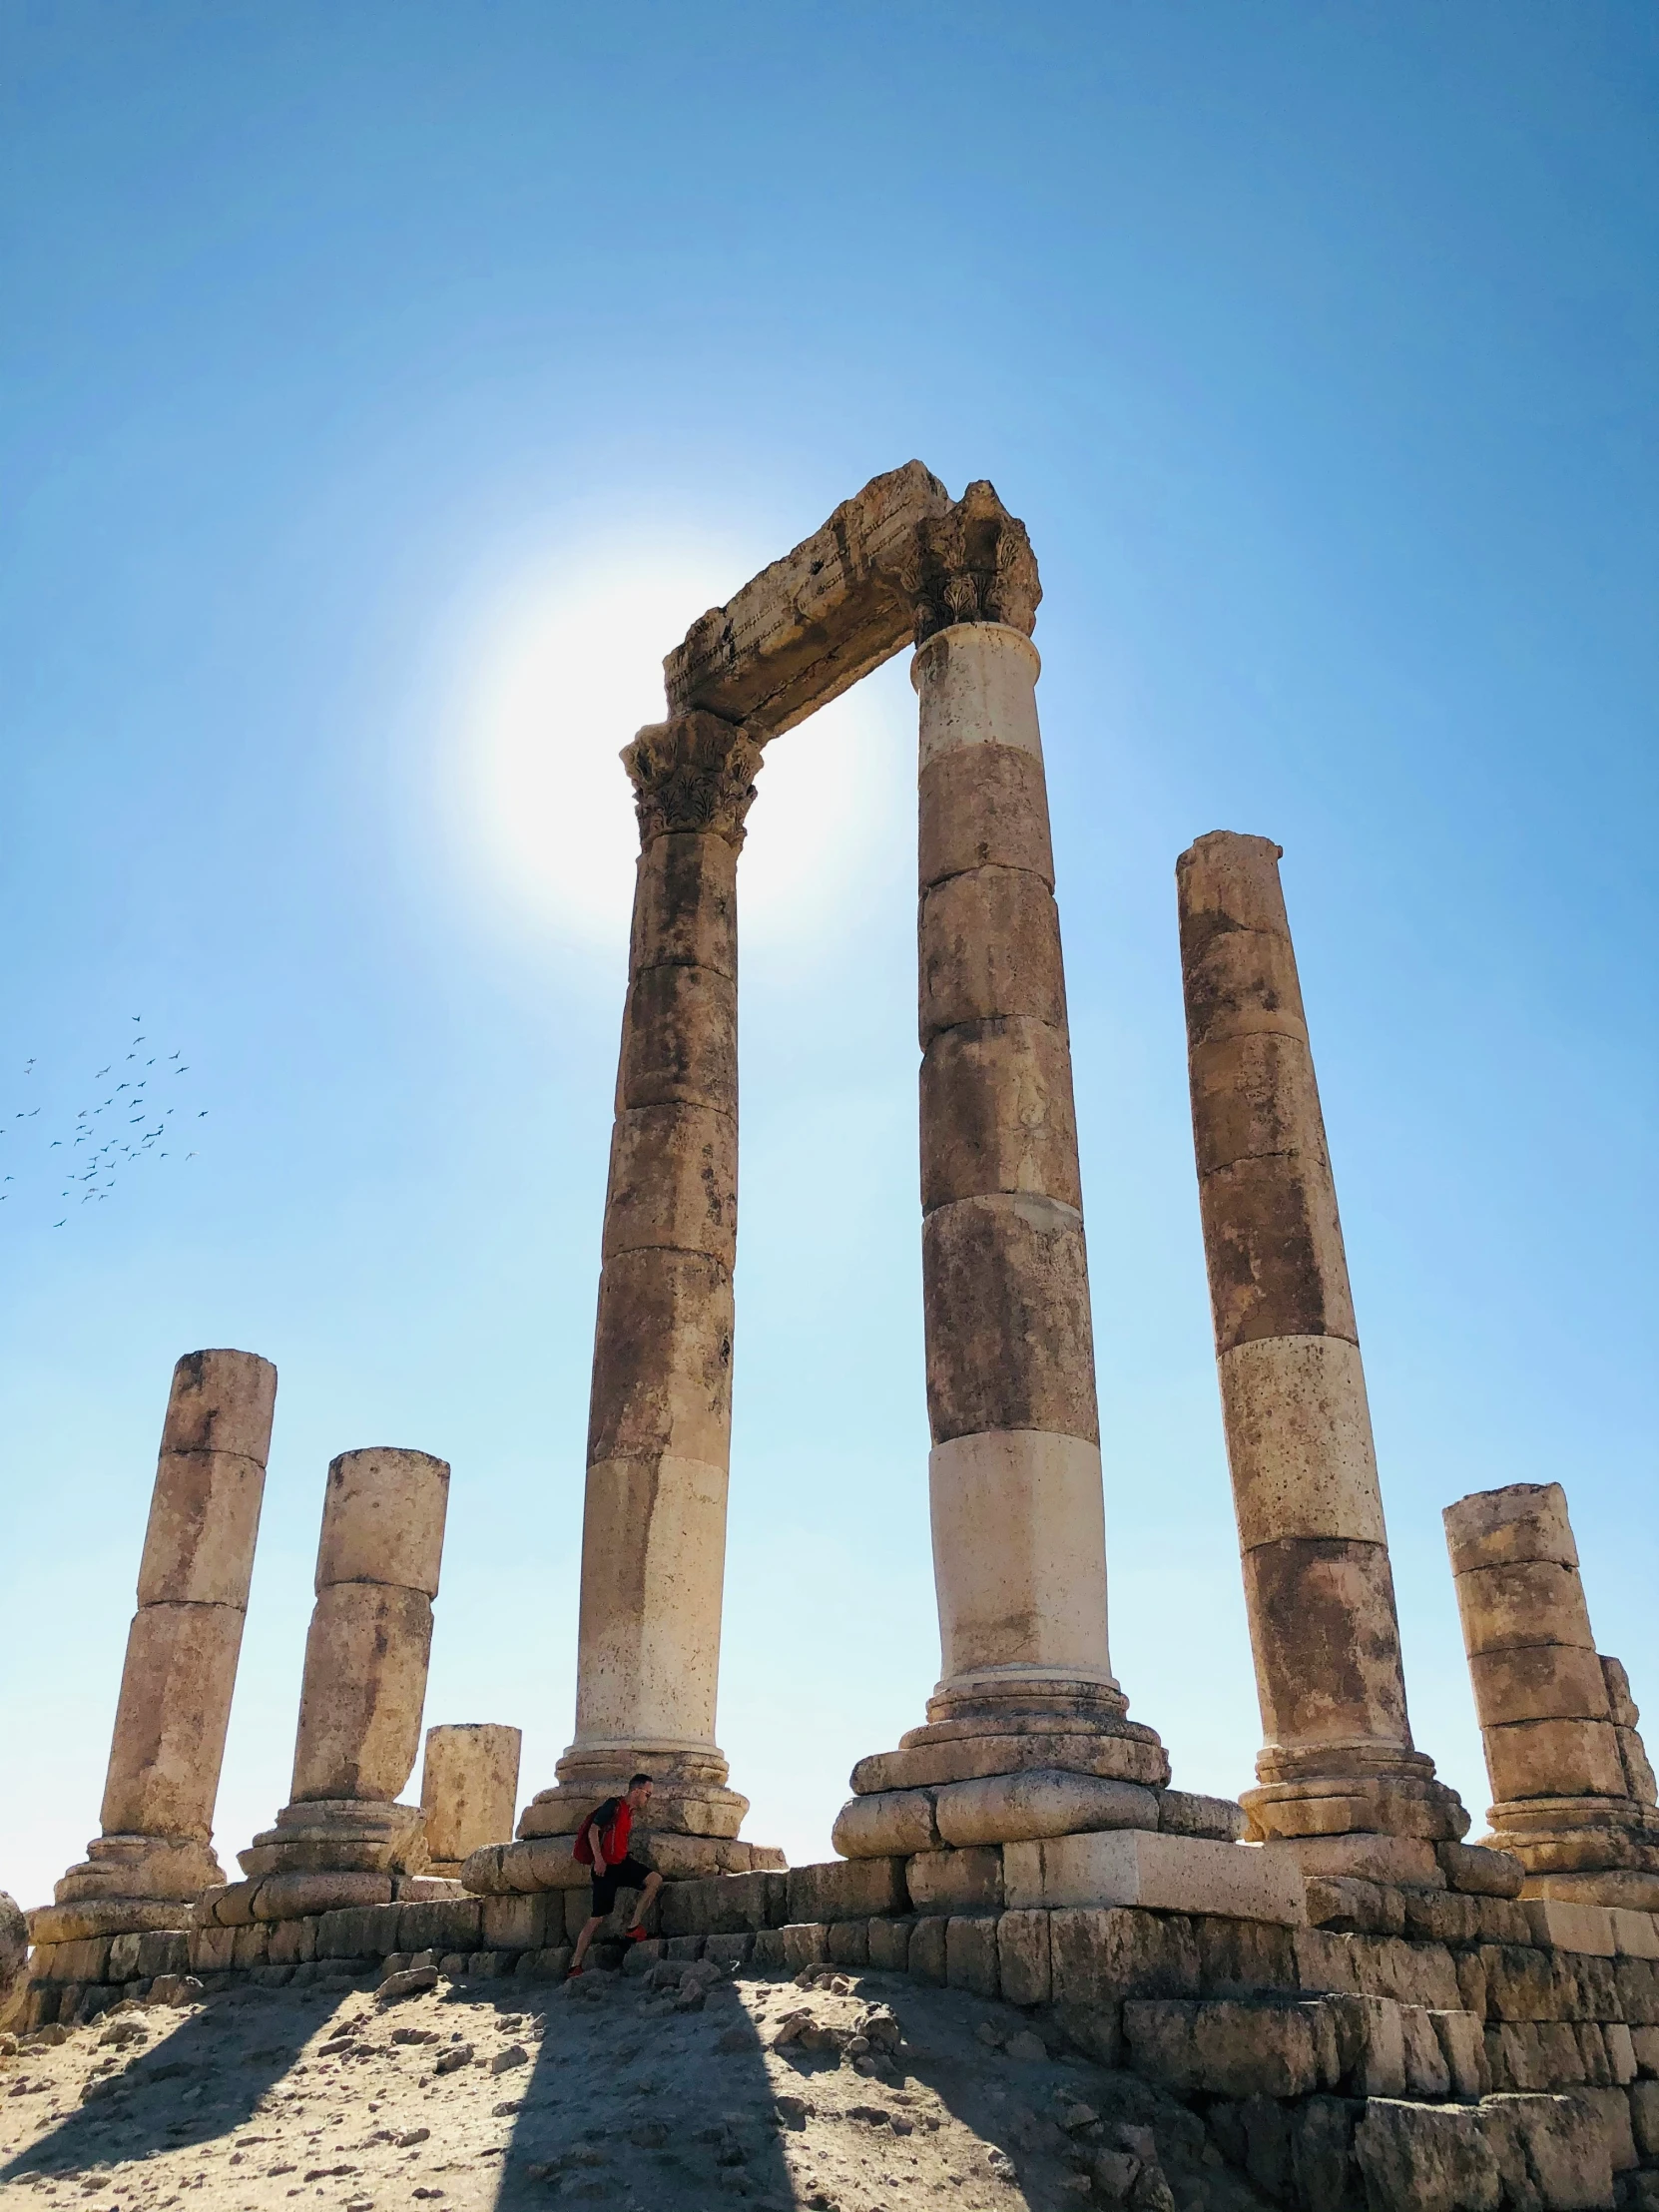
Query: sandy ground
[{"x": 604, "y": 2090}]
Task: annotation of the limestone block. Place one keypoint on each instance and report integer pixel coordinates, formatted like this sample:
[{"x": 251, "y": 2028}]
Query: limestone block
[
  {"x": 67, "y": 1924},
  {"x": 805, "y": 1944},
  {"x": 731, "y": 1951},
  {"x": 468, "y": 1788},
  {"x": 1244, "y": 1957},
  {"x": 290, "y": 1896},
  {"x": 1644, "y": 2116},
  {"x": 1432, "y": 2158},
  {"x": 1644, "y": 2040},
  {"x": 1006, "y": 1308},
  {"x": 294, "y": 1943},
  {"x": 997, "y": 1113},
  {"x": 955, "y": 1880},
  {"x": 1621, "y": 2053},
  {"x": 1638, "y": 1773},
  {"x": 679, "y": 1040},
  {"x": 1326, "y": 1642},
  {"x": 976, "y": 685},
  {"x": 1134, "y": 1755},
  {"x": 1237, "y": 967},
  {"x": 1478, "y": 1872},
  {"x": 1403, "y": 1861},
  {"x": 1366, "y": 1906},
  {"x": 211, "y": 1948},
  {"x": 1369, "y": 2035},
  {"x": 849, "y": 1942},
  {"x": 1635, "y": 1933},
  {"x": 685, "y": 905},
  {"x": 1299, "y": 1440},
  {"x": 673, "y": 1182},
  {"x": 1523, "y": 1602},
  {"x": 221, "y": 1402},
  {"x": 1553, "y": 1758},
  {"x": 203, "y": 1520},
  {"x": 1098, "y": 1955},
  {"x": 365, "y": 1684},
  {"x": 890, "y": 1947},
  {"x": 970, "y": 1959},
  {"x": 384, "y": 1514},
  {"x": 1612, "y": 2109},
  {"x": 1530, "y": 1682},
  {"x": 1274, "y": 1244},
  {"x": 1218, "y": 1819},
  {"x": 847, "y": 1889},
  {"x": 1039, "y": 1801},
  {"x": 1023, "y": 1958},
  {"x": 250, "y": 1947},
  {"x": 989, "y": 947},
  {"x": 1580, "y": 1928},
  {"x": 1427, "y": 2071},
  {"x": 926, "y": 1961},
  {"x": 466, "y": 1923},
  {"x": 1522, "y": 1521},
  {"x": 1174, "y": 1874},
  {"x": 1464, "y": 2050},
  {"x": 662, "y": 1378},
  {"x": 1019, "y": 1553},
  {"x": 983, "y": 806},
  {"x": 1223, "y": 2048},
  {"x": 1440, "y": 1916},
  {"x": 888, "y": 1824},
  {"x": 174, "y": 1709}
]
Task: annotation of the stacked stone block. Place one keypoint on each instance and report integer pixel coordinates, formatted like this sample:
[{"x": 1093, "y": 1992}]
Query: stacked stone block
[
  {"x": 468, "y": 1791},
  {"x": 1573, "y": 1794}
]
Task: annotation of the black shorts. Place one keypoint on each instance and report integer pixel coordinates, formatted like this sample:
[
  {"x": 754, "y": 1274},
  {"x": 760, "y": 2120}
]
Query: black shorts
[{"x": 627, "y": 1873}]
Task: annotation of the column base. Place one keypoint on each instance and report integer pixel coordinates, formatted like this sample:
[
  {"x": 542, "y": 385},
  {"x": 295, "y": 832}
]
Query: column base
[
  {"x": 174, "y": 1868},
  {"x": 1352, "y": 1789},
  {"x": 323, "y": 1856},
  {"x": 1581, "y": 1850},
  {"x": 689, "y": 1796}
]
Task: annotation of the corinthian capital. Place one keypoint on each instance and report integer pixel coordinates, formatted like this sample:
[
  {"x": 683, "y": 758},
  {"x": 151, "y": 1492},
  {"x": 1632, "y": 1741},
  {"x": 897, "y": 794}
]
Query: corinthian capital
[
  {"x": 694, "y": 772},
  {"x": 974, "y": 564}
]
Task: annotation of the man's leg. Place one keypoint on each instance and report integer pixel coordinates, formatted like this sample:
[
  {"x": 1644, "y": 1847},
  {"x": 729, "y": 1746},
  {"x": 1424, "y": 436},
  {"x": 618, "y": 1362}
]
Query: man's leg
[
  {"x": 653, "y": 1882},
  {"x": 590, "y": 1929}
]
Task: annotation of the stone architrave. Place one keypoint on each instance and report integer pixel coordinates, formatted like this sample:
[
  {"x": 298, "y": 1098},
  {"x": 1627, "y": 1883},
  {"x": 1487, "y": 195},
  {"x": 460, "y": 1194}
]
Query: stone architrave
[
  {"x": 343, "y": 1839},
  {"x": 155, "y": 1854},
  {"x": 1575, "y": 1797},
  {"x": 1338, "y": 1755},
  {"x": 468, "y": 1791}
]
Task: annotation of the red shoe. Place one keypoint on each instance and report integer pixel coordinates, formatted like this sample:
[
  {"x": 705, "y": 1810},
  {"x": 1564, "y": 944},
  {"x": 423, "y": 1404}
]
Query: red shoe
[
  {"x": 572, "y": 1971},
  {"x": 634, "y": 1936}
]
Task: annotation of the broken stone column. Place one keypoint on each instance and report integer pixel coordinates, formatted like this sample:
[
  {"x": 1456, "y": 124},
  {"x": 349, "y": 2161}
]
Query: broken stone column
[
  {"x": 1027, "y": 1704},
  {"x": 1338, "y": 1756},
  {"x": 343, "y": 1839},
  {"x": 1574, "y": 1794},
  {"x": 155, "y": 1854},
  {"x": 468, "y": 1791},
  {"x": 660, "y": 1417}
]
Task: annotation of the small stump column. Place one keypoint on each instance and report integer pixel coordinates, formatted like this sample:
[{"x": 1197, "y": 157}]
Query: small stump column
[
  {"x": 1338, "y": 1756},
  {"x": 1574, "y": 1794},
  {"x": 155, "y": 1853},
  {"x": 468, "y": 1791},
  {"x": 343, "y": 1839}
]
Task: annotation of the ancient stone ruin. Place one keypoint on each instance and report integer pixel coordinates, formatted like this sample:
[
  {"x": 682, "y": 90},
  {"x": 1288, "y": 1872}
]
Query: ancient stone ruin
[{"x": 1355, "y": 2004}]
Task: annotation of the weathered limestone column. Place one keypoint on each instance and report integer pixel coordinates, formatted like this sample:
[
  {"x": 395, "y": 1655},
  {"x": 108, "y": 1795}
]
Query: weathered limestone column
[
  {"x": 1574, "y": 1794},
  {"x": 1338, "y": 1755},
  {"x": 343, "y": 1839},
  {"x": 155, "y": 1853},
  {"x": 468, "y": 1791},
  {"x": 660, "y": 1417}
]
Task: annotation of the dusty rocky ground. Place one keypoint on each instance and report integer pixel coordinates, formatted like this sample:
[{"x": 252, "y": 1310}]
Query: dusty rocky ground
[{"x": 606, "y": 2090}]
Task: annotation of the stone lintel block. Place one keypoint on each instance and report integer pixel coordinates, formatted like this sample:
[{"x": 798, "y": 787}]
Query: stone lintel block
[
  {"x": 468, "y": 1788},
  {"x": 1480, "y": 1872},
  {"x": 1172, "y": 1873},
  {"x": 679, "y": 1040},
  {"x": 673, "y": 1182},
  {"x": 1006, "y": 1312},
  {"x": 990, "y": 946},
  {"x": 383, "y": 1515},
  {"x": 847, "y": 1889},
  {"x": 661, "y": 1377},
  {"x": 983, "y": 806},
  {"x": 1132, "y": 1755},
  {"x": 970, "y": 1953},
  {"x": 813, "y": 623},
  {"x": 685, "y": 905},
  {"x": 1237, "y": 963},
  {"x": 1532, "y": 1682},
  {"x": 170, "y": 1719},
  {"x": 1190, "y": 1812},
  {"x": 1298, "y": 1440},
  {"x": 1022, "y": 1953},
  {"x": 1039, "y": 1801},
  {"x": 1523, "y": 1602},
  {"x": 1325, "y": 1641},
  {"x": 203, "y": 1520},
  {"x": 1273, "y": 1249},
  {"x": 1582, "y": 1927},
  {"x": 886, "y": 1823},
  {"x": 955, "y": 1880},
  {"x": 1522, "y": 1521},
  {"x": 365, "y": 1684},
  {"x": 1553, "y": 1758},
  {"x": 997, "y": 1113}
]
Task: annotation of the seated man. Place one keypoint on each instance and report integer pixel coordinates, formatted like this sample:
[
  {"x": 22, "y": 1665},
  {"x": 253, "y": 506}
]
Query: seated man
[{"x": 602, "y": 1843}]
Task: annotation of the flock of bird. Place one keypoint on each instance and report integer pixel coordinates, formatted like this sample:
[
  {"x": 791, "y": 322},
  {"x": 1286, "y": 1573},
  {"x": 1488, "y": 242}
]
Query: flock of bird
[{"x": 97, "y": 1152}]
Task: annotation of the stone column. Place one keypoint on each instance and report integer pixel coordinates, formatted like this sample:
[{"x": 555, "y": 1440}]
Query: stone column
[
  {"x": 1573, "y": 1788},
  {"x": 660, "y": 1417},
  {"x": 468, "y": 1791},
  {"x": 155, "y": 1853},
  {"x": 343, "y": 1839},
  {"x": 1338, "y": 1756}
]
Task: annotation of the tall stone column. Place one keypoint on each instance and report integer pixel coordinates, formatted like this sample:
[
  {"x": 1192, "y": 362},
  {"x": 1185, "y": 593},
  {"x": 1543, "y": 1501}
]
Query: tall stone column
[
  {"x": 1338, "y": 1756},
  {"x": 1574, "y": 1794},
  {"x": 343, "y": 1839},
  {"x": 660, "y": 1417},
  {"x": 155, "y": 1853}
]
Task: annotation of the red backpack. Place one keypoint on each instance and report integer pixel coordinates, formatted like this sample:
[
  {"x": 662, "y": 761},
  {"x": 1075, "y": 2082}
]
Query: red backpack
[{"x": 606, "y": 1815}]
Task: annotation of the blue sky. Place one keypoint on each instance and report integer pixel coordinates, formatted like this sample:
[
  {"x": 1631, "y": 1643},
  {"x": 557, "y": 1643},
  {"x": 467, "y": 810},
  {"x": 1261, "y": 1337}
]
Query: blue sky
[{"x": 382, "y": 391}]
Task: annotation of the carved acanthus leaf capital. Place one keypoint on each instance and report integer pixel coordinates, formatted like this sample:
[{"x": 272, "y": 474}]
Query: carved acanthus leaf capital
[
  {"x": 695, "y": 772},
  {"x": 974, "y": 564}
]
